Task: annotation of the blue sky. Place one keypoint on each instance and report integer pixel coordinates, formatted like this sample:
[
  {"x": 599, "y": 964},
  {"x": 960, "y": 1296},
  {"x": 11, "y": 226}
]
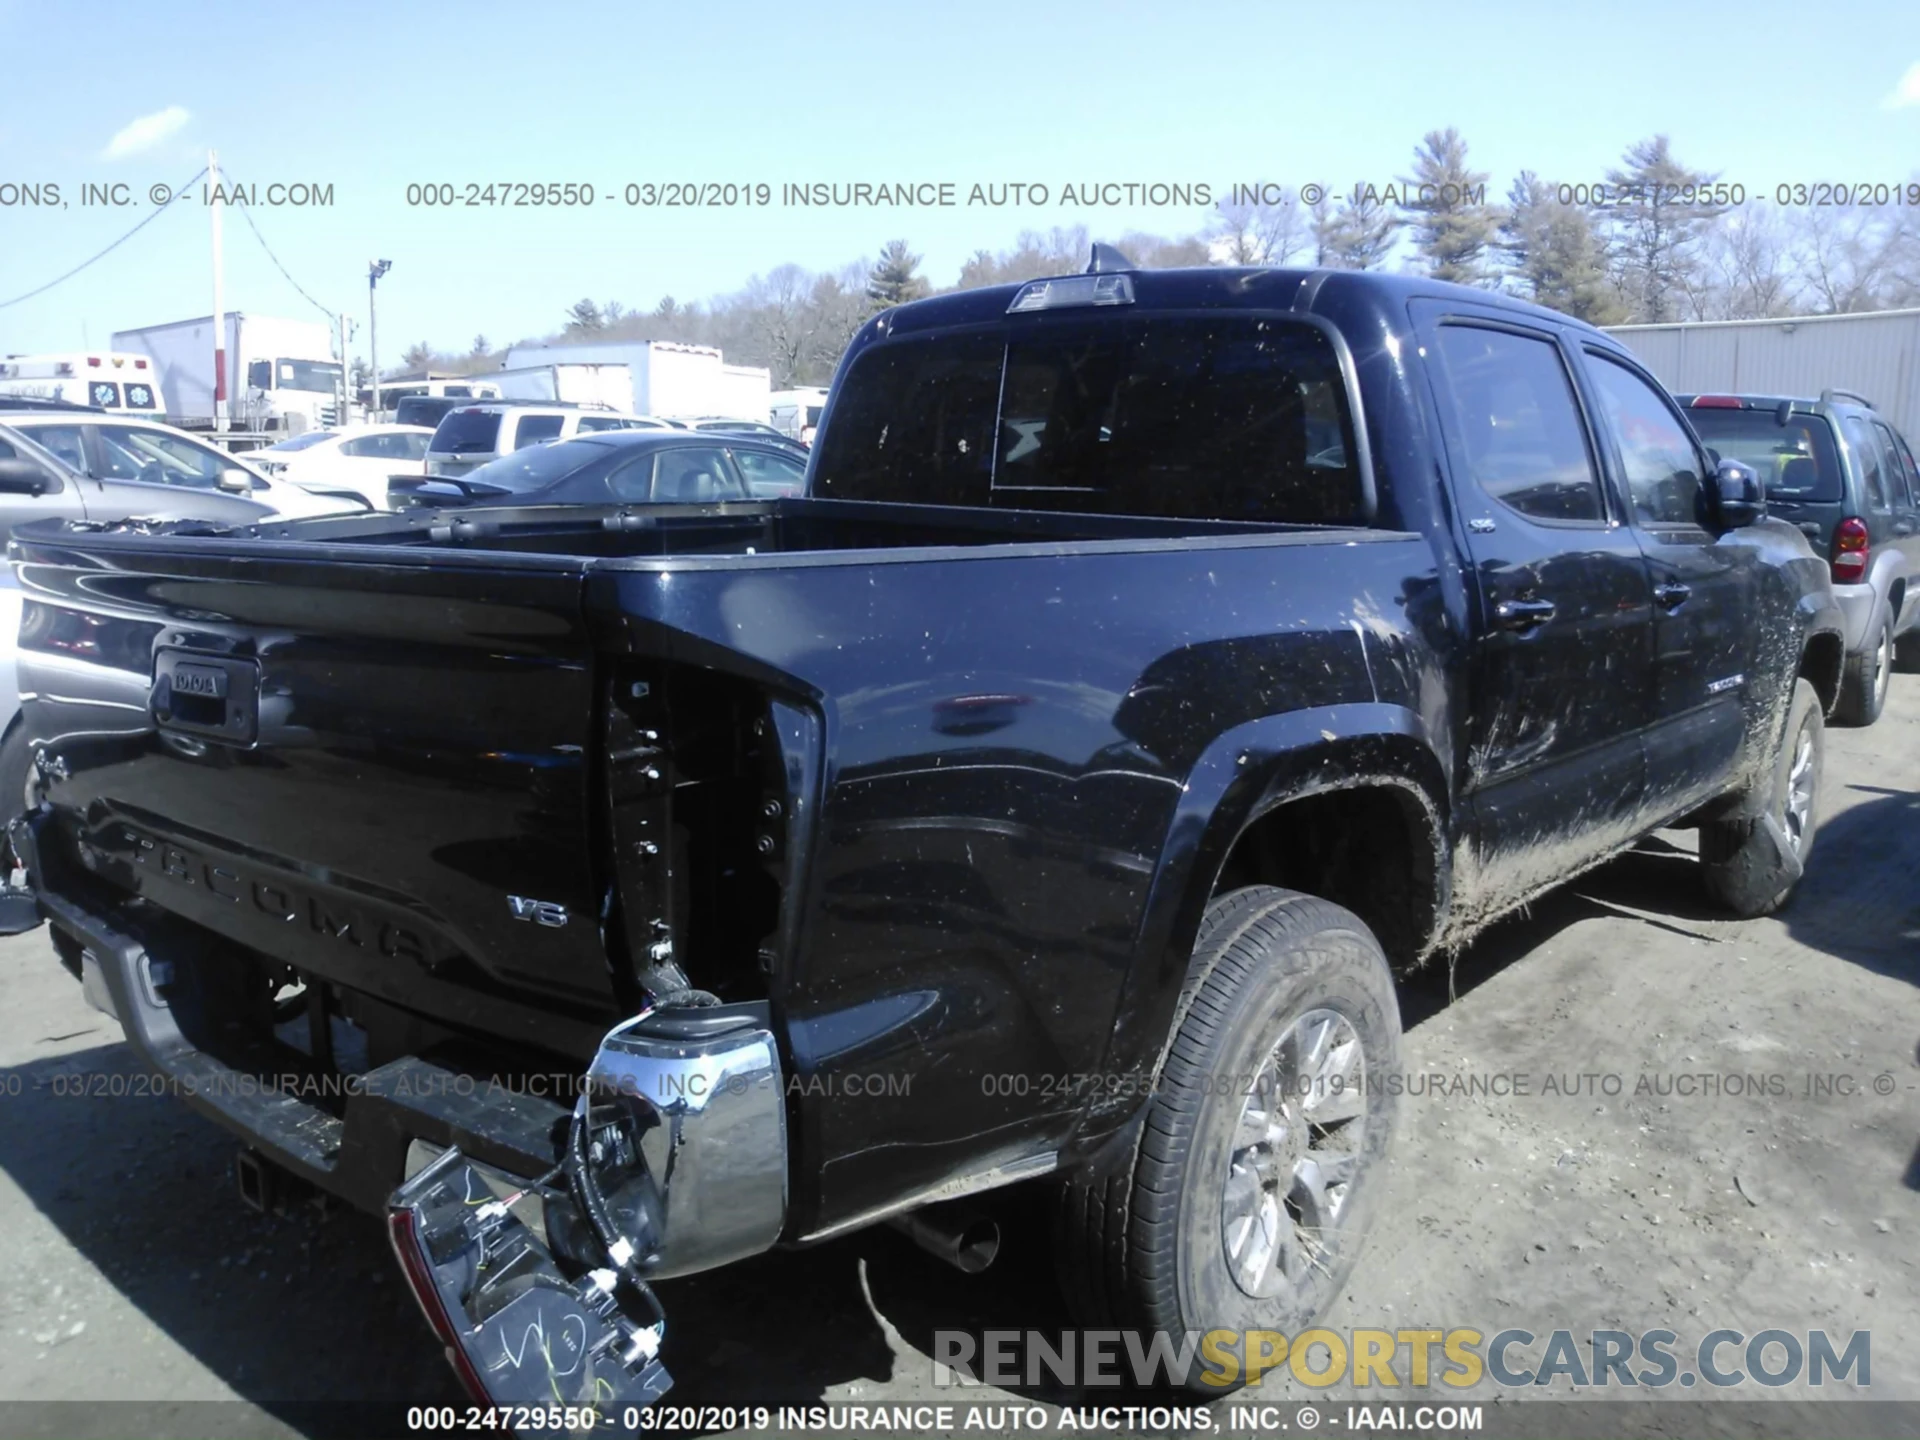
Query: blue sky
[{"x": 373, "y": 97}]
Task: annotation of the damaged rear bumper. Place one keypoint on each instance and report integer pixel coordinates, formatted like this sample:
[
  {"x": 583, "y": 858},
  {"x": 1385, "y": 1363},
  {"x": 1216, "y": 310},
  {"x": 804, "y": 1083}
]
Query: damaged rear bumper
[{"x": 683, "y": 1117}]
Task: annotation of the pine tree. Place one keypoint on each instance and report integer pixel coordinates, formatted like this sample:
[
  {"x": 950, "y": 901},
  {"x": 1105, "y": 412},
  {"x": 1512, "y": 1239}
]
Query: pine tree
[
  {"x": 1656, "y": 228},
  {"x": 1452, "y": 223},
  {"x": 480, "y": 347},
  {"x": 1355, "y": 235},
  {"x": 895, "y": 277},
  {"x": 584, "y": 318},
  {"x": 1554, "y": 255}
]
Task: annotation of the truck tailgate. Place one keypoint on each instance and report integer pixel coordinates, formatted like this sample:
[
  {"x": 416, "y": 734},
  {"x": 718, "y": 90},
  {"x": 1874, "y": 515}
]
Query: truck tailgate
[{"x": 376, "y": 771}]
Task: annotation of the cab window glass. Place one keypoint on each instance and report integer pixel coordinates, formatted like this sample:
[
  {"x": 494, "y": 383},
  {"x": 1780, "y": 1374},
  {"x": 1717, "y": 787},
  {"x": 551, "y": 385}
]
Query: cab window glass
[
  {"x": 1897, "y": 483},
  {"x": 769, "y": 474},
  {"x": 1662, "y": 467},
  {"x": 693, "y": 476},
  {"x": 64, "y": 441},
  {"x": 1866, "y": 451},
  {"x": 128, "y": 452},
  {"x": 1519, "y": 423},
  {"x": 536, "y": 429}
]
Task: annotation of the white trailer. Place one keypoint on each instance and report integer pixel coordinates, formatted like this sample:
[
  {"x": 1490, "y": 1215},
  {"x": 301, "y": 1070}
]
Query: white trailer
[
  {"x": 1875, "y": 353},
  {"x": 670, "y": 380},
  {"x": 797, "y": 412},
  {"x": 281, "y": 375},
  {"x": 579, "y": 384}
]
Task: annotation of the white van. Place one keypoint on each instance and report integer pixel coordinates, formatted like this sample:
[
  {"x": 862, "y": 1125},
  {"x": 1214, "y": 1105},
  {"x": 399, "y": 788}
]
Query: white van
[{"x": 105, "y": 379}]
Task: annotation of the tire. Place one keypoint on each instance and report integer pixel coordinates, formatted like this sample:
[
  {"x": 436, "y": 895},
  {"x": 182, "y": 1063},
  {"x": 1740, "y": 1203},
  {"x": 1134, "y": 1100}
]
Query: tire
[
  {"x": 1863, "y": 686},
  {"x": 1150, "y": 1232},
  {"x": 1751, "y": 866}
]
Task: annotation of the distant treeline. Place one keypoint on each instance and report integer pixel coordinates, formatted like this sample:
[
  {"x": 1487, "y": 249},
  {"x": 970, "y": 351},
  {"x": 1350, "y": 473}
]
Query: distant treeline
[{"x": 1653, "y": 240}]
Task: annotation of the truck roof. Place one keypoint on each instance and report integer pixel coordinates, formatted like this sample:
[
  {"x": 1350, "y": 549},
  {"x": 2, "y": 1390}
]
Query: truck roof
[{"x": 1222, "y": 287}]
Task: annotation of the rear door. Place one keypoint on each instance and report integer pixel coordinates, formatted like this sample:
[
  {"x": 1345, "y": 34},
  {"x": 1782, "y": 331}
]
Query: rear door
[
  {"x": 1555, "y": 770},
  {"x": 1705, "y": 591}
]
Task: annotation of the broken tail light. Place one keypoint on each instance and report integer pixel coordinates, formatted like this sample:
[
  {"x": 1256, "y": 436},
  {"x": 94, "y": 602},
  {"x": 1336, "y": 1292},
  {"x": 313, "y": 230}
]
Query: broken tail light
[
  {"x": 1850, "y": 548},
  {"x": 517, "y": 1330}
]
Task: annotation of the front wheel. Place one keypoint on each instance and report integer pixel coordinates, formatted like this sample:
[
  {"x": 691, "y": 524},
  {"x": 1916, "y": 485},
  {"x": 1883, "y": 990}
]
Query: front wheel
[
  {"x": 1240, "y": 1203},
  {"x": 1751, "y": 866}
]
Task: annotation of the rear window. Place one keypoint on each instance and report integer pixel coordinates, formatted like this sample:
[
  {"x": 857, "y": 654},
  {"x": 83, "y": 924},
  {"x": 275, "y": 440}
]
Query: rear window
[
  {"x": 1797, "y": 461},
  {"x": 422, "y": 410},
  {"x": 540, "y": 466},
  {"x": 467, "y": 432},
  {"x": 1238, "y": 417}
]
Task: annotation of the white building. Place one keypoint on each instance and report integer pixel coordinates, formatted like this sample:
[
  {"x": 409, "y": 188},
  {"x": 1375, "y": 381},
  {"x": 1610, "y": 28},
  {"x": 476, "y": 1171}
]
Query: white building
[{"x": 1875, "y": 353}]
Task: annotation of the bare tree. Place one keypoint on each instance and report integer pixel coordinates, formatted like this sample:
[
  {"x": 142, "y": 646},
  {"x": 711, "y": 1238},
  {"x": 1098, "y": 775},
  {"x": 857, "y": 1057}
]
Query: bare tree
[{"x": 1248, "y": 234}]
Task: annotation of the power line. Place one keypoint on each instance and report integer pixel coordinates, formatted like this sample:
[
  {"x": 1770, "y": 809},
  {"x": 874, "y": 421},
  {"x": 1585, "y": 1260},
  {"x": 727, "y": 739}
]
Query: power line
[
  {"x": 246, "y": 213},
  {"x": 58, "y": 279}
]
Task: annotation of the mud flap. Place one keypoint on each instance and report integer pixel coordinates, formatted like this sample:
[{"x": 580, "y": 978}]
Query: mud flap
[
  {"x": 1788, "y": 865},
  {"x": 516, "y": 1329}
]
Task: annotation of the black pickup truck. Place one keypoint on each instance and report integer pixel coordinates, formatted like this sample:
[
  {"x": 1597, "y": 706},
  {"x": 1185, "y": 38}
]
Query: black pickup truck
[{"x": 1159, "y": 663}]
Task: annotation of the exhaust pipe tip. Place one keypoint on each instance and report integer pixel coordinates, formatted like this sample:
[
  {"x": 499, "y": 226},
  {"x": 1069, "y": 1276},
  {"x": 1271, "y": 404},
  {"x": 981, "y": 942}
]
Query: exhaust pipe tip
[{"x": 963, "y": 1237}]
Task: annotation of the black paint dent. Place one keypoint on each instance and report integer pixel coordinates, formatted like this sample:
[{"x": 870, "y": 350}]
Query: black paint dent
[{"x": 949, "y": 788}]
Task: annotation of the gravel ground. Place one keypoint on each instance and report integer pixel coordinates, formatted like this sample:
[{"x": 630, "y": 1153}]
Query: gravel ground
[{"x": 136, "y": 1273}]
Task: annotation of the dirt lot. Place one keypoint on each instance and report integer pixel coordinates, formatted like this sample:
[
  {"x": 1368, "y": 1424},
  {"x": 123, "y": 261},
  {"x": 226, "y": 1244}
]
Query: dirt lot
[{"x": 134, "y": 1271}]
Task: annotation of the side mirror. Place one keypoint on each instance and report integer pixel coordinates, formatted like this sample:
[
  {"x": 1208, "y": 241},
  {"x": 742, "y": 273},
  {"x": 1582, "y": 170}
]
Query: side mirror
[
  {"x": 236, "y": 481},
  {"x": 23, "y": 477},
  {"x": 1742, "y": 499}
]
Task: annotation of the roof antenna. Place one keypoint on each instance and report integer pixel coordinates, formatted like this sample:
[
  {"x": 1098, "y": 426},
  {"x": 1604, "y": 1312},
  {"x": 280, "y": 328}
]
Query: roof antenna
[{"x": 1106, "y": 259}]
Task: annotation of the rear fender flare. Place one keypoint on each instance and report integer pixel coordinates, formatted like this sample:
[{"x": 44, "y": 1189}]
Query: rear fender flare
[{"x": 1241, "y": 776}]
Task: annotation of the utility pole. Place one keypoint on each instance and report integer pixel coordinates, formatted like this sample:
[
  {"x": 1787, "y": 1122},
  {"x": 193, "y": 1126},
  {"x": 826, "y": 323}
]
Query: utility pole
[
  {"x": 375, "y": 269},
  {"x": 346, "y": 369},
  {"x": 219, "y": 303}
]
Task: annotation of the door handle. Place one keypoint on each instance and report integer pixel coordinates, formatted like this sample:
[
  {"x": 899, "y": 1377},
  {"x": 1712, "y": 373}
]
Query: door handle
[
  {"x": 1522, "y": 615},
  {"x": 1672, "y": 595}
]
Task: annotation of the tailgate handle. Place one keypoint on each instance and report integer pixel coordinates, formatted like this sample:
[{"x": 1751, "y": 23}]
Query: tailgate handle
[{"x": 209, "y": 695}]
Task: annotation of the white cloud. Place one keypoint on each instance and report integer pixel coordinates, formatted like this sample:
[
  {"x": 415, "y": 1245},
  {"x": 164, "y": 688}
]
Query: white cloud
[
  {"x": 1907, "y": 92},
  {"x": 149, "y": 130}
]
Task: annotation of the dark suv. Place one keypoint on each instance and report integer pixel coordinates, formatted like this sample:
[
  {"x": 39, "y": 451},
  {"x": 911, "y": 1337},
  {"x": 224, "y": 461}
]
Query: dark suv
[{"x": 1847, "y": 478}]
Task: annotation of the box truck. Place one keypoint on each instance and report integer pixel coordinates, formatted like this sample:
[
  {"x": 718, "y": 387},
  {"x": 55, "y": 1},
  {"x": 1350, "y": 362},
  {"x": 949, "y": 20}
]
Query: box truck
[
  {"x": 282, "y": 376},
  {"x": 580, "y": 384},
  {"x": 670, "y": 380}
]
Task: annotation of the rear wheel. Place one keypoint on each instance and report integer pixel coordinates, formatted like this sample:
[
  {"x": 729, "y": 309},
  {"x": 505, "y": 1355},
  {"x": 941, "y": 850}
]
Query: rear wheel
[
  {"x": 1863, "y": 689},
  {"x": 1751, "y": 866},
  {"x": 1239, "y": 1202}
]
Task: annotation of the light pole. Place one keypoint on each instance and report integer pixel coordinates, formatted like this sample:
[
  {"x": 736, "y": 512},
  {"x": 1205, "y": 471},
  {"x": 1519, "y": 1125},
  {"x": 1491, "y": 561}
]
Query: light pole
[{"x": 375, "y": 269}]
